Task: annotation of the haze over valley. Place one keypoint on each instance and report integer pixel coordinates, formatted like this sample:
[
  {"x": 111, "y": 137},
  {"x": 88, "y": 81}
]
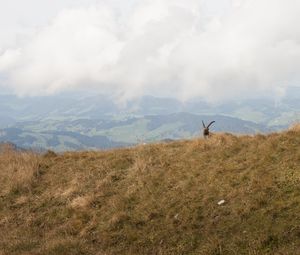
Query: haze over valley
[{"x": 74, "y": 121}]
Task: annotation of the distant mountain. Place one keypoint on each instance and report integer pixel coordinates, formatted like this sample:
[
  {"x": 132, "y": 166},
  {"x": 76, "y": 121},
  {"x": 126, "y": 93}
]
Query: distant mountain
[
  {"x": 9, "y": 146},
  {"x": 73, "y": 121},
  {"x": 56, "y": 140},
  {"x": 278, "y": 114},
  {"x": 37, "y": 108},
  {"x": 103, "y": 133},
  {"x": 6, "y": 121}
]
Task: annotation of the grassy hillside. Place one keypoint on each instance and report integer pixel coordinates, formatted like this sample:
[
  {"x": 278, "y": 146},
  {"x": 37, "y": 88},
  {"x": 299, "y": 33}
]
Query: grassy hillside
[{"x": 155, "y": 199}]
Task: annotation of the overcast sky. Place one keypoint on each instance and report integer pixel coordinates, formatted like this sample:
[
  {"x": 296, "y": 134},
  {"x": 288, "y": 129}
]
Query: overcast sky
[{"x": 214, "y": 49}]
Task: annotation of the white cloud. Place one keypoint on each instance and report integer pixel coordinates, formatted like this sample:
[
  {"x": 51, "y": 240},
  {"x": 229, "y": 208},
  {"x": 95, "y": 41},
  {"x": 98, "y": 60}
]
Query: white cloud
[{"x": 216, "y": 49}]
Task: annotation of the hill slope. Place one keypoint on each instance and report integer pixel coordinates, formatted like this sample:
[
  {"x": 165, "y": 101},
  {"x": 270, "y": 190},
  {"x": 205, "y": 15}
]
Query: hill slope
[{"x": 155, "y": 199}]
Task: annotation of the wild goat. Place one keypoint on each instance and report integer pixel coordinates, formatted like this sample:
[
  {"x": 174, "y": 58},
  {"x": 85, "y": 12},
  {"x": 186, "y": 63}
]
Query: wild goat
[{"x": 206, "y": 129}]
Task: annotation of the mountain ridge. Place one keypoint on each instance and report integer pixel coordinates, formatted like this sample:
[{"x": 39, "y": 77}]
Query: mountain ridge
[{"x": 81, "y": 134}]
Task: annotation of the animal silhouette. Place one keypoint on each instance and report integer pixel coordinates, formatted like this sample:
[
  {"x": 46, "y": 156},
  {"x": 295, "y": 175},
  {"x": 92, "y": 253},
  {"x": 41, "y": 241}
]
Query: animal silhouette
[{"x": 206, "y": 129}]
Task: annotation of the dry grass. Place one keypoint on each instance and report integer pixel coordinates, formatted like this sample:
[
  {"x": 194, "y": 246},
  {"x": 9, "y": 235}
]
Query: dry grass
[
  {"x": 295, "y": 127},
  {"x": 17, "y": 169},
  {"x": 158, "y": 199}
]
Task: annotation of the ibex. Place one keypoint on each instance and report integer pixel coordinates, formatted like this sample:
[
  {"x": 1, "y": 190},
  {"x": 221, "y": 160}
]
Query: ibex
[{"x": 206, "y": 129}]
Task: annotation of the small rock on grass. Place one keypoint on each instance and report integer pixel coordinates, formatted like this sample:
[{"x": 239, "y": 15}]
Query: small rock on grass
[{"x": 221, "y": 202}]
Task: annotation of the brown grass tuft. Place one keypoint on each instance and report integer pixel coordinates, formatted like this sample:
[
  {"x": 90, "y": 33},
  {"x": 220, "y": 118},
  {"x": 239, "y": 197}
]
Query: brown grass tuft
[
  {"x": 17, "y": 170},
  {"x": 81, "y": 202},
  {"x": 295, "y": 127}
]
